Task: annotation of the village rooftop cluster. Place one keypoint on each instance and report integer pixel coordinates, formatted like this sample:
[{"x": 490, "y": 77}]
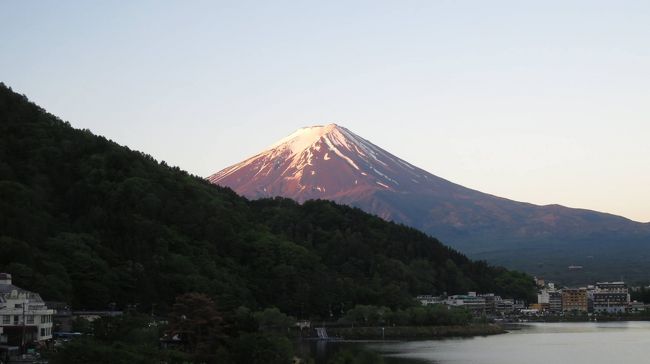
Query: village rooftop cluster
[{"x": 600, "y": 298}]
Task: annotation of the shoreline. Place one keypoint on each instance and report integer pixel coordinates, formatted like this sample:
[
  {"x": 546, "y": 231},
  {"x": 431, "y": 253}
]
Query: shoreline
[
  {"x": 569, "y": 319},
  {"x": 414, "y": 332}
]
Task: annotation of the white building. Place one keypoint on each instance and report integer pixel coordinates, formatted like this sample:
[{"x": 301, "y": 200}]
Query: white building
[
  {"x": 469, "y": 301},
  {"x": 506, "y": 305},
  {"x": 551, "y": 286},
  {"x": 430, "y": 300},
  {"x": 543, "y": 296},
  {"x": 24, "y": 317}
]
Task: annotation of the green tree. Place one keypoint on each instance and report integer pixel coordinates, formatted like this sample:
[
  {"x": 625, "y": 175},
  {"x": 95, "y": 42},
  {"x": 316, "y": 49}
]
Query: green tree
[
  {"x": 272, "y": 318},
  {"x": 197, "y": 320}
]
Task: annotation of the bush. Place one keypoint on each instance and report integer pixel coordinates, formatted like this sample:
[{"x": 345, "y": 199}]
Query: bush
[{"x": 431, "y": 315}]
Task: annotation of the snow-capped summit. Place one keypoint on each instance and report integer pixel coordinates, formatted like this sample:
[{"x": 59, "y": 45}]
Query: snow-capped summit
[
  {"x": 305, "y": 137},
  {"x": 323, "y": 161}
]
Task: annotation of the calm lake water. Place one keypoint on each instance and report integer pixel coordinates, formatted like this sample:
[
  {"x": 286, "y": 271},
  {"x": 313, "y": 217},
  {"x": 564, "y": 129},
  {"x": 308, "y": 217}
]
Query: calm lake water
[{"x": 543, "y": 343}]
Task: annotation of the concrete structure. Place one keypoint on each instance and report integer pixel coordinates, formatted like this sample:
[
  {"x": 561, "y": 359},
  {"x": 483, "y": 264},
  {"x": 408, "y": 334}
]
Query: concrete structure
[
  {"x": 431, "y": 300},
  {"x": 590, "y": 298},
  {"x": 530, "y": 312},
  {"x": 636, "y": 306},
  {"x": 543, "y": 296},
  {"x": 611, "y": 297},
  {"x": 469, "y": 301},
  {"x": 506, "y": 305},
  {"x": 488, "y": 304},
  {"x": 24, "y": 317},
  {"x": 540, "y": 307},
  {"x": 519, "y": 305},
  {"x": 549, "y": 299},
  {"x": 491, "y": 303},
  {"x": 555, "y": 302},
  {"x": 575, "y": 300}
]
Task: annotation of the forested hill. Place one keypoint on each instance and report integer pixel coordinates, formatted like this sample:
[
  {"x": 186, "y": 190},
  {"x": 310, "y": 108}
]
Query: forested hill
[{"x": 87, "y": 221}]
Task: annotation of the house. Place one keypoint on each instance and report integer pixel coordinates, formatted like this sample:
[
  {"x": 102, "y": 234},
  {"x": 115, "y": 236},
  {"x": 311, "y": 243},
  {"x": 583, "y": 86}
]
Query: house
[{"x": 24, "y": 317}]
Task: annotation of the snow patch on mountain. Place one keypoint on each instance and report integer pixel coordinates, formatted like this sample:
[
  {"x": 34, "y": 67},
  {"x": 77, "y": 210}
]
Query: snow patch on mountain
[
  {"x": 330, "y": 144},
  {"x": 326, "y": 159},
  {"x": 302, "y": 138}
]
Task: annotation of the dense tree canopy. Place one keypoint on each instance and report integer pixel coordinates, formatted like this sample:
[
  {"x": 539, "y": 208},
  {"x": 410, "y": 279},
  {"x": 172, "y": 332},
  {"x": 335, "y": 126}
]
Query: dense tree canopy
[{"x": 87, "y": 221}]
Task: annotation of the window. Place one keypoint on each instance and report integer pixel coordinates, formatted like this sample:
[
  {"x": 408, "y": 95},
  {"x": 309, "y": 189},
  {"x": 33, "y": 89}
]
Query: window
[
  {"x": 6, "y": 319},
  {"x": 16, "y": 318},
  {"x": 30, "y": 319},
  {"x": 42, "y": 332}
]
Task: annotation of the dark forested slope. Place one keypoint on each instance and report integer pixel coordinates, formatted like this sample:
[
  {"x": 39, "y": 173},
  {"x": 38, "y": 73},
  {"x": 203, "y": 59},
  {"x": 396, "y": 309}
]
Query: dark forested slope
[{"x": 87, "y": 221}]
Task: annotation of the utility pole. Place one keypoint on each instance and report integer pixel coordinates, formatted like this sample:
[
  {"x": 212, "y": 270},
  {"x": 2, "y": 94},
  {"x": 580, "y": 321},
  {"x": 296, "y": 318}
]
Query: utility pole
[{"x": 22, "y": 338}]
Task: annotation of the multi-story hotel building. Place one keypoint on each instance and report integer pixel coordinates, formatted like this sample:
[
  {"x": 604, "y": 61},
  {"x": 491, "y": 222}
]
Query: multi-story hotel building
[
  {"x": 611, "y": 297},
  {"x": 469, "y": 301},
  {"x": 575, "y": 300},
  {"x": 24, "y": 317}
]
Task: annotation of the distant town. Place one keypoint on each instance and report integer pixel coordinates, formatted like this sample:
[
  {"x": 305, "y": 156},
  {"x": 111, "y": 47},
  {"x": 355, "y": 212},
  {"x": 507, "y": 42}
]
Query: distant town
[
  {"x": 605, "y": 298},
  {"x": 26, "y": 321}
]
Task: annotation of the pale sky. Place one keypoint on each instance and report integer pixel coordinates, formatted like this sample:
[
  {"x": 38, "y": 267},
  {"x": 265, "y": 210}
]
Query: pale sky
[{"x": 537, "y": 101}]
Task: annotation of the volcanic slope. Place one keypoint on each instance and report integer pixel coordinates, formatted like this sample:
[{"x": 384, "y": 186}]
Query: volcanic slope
[{"x": 331, "y": 162}]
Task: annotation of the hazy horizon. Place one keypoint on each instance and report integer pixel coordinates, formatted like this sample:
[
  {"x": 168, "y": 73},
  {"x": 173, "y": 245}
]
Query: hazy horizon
[{"x": 542, "y": 102}]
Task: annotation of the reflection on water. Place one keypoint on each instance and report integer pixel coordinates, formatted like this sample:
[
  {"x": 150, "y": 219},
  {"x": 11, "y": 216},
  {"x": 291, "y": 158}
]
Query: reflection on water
[
  {"x": 324, "y": 352},
  {"x": 576, "y": 343},
  {"x": 543, "y": 343}
]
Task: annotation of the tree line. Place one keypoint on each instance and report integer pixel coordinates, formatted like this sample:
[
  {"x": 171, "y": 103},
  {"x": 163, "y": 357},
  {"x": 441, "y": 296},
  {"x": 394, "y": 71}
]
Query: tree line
[{"x": 94, "y": 224}]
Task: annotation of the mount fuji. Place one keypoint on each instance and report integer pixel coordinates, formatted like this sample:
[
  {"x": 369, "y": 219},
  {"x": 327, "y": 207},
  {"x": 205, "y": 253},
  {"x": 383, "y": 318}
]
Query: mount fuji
[{"x": 331, "y": 162}]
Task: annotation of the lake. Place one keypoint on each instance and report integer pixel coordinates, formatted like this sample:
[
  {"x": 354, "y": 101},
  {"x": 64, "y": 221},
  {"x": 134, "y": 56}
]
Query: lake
[{"x": 556, "y": 343}]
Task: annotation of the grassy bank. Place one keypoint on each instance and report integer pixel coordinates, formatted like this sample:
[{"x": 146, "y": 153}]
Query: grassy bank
[{"x": 414, "y": 332}]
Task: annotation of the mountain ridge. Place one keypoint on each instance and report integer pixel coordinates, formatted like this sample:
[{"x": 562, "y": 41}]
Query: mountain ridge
[{"x": 94, "y": 224}]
